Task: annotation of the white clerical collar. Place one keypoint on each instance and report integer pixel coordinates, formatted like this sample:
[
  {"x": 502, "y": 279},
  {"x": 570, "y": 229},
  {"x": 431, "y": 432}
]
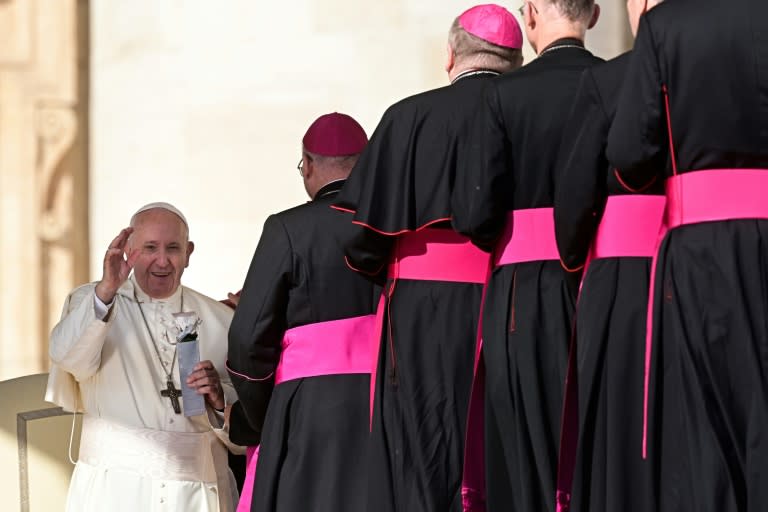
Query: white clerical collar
[
  {"x": 473, "y": 72},
  {"x": 175, "y": 298}
]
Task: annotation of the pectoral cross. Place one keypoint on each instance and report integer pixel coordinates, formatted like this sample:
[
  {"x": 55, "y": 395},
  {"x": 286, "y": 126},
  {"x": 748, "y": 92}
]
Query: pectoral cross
[{"x": 174, "y": 394}]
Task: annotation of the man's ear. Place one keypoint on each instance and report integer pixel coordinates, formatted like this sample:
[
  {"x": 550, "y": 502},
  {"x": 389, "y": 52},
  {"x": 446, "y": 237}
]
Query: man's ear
[
  {"x": 595, "y": 16},
  {"x": 450, "y": 58},
  {"x": 309, "y": 167},
  {"x": 529, "y": 20},
  {"x": 190, "y": 249}
]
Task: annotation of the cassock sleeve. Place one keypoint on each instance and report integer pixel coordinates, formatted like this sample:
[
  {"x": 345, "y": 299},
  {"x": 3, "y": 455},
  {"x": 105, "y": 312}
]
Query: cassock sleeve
[
  {"x": 258, "y": 325},
  {"x": 482, "y": 177},
  {"x": 374, "y": 190},
  {"x": 581, "y": 186},
  {"x": 367, "y": 252},
  {"x": 240, "y": 431},
  {"x": 637, "y": 143}
]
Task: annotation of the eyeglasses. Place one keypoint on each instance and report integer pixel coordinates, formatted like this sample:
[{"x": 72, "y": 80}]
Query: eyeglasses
[
  {"x": 521, "y": 9},
  {"x": 300, "y": 167}
]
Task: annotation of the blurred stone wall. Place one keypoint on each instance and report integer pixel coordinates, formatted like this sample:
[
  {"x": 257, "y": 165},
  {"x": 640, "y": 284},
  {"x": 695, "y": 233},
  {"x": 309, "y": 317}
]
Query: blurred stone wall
[{"x": 43, "y": 172}]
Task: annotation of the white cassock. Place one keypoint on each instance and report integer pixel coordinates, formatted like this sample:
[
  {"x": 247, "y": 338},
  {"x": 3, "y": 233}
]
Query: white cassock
[{"x": 136, "y": 453}]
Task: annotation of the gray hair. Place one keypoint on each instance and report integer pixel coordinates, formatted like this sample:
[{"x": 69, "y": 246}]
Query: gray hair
[
  {"x": 575, "y": 10},
  {"x": 339, "y": 166}
]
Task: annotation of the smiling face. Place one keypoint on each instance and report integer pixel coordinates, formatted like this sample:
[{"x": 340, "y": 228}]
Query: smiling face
[{"x": 161, "y": 237}]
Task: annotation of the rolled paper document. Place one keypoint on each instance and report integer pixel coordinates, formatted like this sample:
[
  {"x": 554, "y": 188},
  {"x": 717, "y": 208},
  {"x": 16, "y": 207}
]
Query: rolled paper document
[{"x": 189, "y": 356}]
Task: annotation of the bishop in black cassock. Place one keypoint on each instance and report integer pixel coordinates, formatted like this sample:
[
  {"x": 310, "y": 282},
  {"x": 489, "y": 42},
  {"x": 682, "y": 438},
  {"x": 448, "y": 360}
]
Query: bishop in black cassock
[
  {"x": 400, "y": 193},
  {"x": 308, "y": 412},
  {"x": 528, "y": 304},
  {"x": 598, "y": 224},
  {"x": 694, "y": 111}
]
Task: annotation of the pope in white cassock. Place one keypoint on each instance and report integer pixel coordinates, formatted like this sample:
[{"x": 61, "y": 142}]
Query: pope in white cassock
[{"x": 114, "y": 356}]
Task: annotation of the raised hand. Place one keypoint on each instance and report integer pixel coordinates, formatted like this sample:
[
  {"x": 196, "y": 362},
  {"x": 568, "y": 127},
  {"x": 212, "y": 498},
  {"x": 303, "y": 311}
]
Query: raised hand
[{"x": 116, "y": 267}]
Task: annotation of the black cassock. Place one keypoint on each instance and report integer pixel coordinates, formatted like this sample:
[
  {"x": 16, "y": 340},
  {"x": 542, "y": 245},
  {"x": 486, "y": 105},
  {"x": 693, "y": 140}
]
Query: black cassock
[
  {"x": 710, "y": 340},
  {"x": 313, "y": 431},
  {"x": 610, "y": 473},
  {"x": 528, "y": 306},
  {"x": 401, "y": 183}
]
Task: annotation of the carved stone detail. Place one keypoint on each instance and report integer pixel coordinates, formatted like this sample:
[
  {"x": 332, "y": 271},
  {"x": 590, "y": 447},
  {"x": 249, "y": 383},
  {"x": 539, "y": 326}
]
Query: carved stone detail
[
  {"x": 43, "y": 172},
  {"x": 56, "y": 130}
]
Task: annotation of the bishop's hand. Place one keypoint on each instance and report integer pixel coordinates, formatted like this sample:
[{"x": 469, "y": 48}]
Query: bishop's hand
[
  {"x": 232, "y": 300},
  {"x": 116, "y": 267}
]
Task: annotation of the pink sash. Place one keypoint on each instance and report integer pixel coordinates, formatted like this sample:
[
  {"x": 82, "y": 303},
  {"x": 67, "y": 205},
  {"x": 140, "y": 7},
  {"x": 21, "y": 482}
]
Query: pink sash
[
  {"x": 335, "y": 347},
  {"x": 434, "y": 254},
  {"x": 705, "y": 196},
  {"x": 630, "y": 227},
  {"x": 528, "y": 236},
  {"x": 429, "y": 254},
  {"x": 251, "y": 456},
  {"x": 717, "y": 195}
]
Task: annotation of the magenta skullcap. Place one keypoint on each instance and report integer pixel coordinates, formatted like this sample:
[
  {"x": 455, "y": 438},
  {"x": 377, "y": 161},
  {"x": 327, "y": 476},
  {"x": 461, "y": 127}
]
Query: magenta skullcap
[
  {"x": 492, "y": 23},
  {"x": 335, "y": 135}
]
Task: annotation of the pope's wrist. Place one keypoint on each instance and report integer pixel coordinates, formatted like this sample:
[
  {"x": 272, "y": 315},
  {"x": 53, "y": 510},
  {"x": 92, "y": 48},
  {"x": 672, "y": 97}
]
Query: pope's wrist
[{"x": 104, "y": 295}]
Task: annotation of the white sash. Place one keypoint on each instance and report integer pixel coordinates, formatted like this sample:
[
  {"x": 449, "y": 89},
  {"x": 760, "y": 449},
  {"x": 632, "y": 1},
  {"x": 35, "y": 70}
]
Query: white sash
[
  {"x": 159, "y": 455},
  {"x": 155, "y": 454}
]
